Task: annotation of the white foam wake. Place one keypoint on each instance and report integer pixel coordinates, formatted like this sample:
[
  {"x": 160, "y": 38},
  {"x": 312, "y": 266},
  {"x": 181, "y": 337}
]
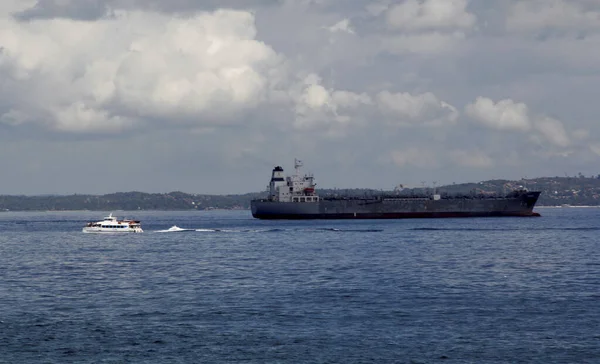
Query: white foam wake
[{"x": 173, "y": 229}]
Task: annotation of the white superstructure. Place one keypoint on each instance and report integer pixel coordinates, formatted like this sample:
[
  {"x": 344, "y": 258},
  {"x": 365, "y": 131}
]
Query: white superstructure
[
  {"x": 111, "y": 224},
  {"x": 294, "y": 188}
]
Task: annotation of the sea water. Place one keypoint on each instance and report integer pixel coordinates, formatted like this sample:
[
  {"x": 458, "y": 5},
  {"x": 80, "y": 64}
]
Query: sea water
[{"x": 234, "y": 289}]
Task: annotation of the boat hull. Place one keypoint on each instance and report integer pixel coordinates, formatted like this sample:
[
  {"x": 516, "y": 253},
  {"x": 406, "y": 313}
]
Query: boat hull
[
  {"x": 397, "y": 208},
  {"x": 110, "y": 231}
]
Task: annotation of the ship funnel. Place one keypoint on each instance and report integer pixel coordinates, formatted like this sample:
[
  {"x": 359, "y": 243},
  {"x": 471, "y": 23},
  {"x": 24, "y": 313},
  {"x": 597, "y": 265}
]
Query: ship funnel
[
  {"x": 277, "y": 180},
  {"x": 277, "y": 174}
]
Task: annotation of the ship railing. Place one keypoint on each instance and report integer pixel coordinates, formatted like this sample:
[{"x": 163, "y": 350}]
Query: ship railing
[
  {"x": 263, "y": 200},
  {"x": 418, "y": 197}
]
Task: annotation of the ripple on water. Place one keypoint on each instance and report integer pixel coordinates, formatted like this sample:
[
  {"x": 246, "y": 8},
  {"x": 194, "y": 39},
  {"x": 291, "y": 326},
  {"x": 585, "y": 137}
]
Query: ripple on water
[{"x": 237, "y": 289}]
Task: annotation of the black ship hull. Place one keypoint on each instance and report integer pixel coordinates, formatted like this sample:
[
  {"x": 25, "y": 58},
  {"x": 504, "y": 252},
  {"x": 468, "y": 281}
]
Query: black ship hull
[
  {"x": 518, "y": 205},
  {"x": 391, "y": 215}
]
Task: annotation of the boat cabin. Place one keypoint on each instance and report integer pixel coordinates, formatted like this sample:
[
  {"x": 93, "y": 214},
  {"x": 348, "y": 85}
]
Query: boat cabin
[{"x": 294, "y": 188}]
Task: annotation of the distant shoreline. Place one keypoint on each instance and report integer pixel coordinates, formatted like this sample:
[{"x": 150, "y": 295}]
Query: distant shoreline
[{"x": 556, "y": 192}]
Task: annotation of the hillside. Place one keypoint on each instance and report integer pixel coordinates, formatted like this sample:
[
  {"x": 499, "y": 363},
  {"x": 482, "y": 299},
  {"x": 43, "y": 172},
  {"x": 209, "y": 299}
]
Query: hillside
[
  {"x": 556, "y": 191},
  {"x": 127, "y": 201}
]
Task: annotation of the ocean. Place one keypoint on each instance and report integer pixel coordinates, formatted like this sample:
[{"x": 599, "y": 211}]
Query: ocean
[{"x": 235, "y": 289}]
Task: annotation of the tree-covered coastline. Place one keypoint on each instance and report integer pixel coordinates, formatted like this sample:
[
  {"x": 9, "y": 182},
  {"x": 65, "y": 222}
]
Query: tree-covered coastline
[{"x": 556, "y": 191}]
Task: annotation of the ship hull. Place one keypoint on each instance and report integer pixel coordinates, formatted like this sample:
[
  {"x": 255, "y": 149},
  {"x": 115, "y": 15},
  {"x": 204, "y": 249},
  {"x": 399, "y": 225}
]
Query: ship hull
[{"x": 397, "y": 208}]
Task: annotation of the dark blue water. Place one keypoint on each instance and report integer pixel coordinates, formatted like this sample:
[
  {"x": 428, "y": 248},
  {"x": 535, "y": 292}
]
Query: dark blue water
[{"x": 506, "y": 290}]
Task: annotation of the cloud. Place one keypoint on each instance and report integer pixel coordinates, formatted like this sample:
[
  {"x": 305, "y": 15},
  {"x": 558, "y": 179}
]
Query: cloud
[
  {"x": 535, "y": 15},
  {"x": 425, "y": 27},
  {"x": 96, "y": 9},
  {"x": 553, "y": 130},
  {"x": 509, "y": 115},
  {"x": 78, "y": 117},
  {"x": 72, "y": 9},
  {"x": 427, "y": 109},
  {"x": 595, "y": 148},
  {"x": 430, "y": 15},
  {"x": 503, "y": 115},
  {"x": 581, "y": 134},
  {"x": 81, "y": 76},
  {"x": 341, "y": 26},
  {"x": 319, "y": 107},
  {"x": 425, "y": 43},
  {"x": 209, "y": 84},
  {"x": 376, "y": 8}
]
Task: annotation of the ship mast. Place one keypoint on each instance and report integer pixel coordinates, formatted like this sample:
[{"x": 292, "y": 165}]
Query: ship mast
[{"x": 297, "y": 165}]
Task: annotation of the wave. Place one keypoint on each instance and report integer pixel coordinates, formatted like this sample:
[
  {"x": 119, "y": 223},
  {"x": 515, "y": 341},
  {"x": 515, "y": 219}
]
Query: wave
[
  {"x": 462, "y": 229},
  {"x": 351, "y": 230},
  {"x": 176, "y": 229}
]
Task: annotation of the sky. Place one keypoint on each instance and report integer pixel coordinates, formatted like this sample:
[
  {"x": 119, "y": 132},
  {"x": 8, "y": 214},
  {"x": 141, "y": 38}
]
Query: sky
[{"x": 101, "y": 96}]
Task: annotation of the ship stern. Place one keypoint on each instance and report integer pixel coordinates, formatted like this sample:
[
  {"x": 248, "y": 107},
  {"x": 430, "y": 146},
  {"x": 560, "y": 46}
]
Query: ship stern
[{"x": 274, "y": 210}]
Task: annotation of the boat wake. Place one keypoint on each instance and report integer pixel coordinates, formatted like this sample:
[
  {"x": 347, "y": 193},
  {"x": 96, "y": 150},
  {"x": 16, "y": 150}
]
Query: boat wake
[{"x": 174, "y": 229}]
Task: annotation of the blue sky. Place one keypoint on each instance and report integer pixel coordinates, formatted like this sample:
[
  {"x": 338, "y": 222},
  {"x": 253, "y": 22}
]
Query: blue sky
[{"x": 100, "y": 96}]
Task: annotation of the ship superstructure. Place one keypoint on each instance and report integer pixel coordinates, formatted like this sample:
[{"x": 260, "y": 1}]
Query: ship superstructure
[
  {"x": 295, "y": 197},
  {"x": 294, "y": 188}
]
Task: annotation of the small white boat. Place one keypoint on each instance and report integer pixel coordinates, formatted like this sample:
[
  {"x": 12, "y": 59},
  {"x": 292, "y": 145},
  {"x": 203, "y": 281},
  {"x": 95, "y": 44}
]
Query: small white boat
[{"x": 111, "y": 224}]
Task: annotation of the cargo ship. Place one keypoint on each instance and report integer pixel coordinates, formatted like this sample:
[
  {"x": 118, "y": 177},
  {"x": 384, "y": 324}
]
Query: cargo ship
[{"x": 295, "y": 197}]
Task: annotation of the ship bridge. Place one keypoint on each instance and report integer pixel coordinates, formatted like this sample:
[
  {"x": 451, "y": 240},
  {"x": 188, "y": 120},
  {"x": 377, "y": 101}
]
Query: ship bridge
[{"x": 295, "y": 188}]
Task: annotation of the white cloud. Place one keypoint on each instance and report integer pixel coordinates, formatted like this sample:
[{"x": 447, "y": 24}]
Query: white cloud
[
  {"x": 376, "y": 8},
  {"x": 137, "y": 65},
  {"x": 78, "y": 117},
  {"x": 425, "y": 26},
  {"x": 138, "y": 73},
  {"x": 14, "y": 117},
  {"x": 553, "y": 130},
  {"x": 532, "y": 15},
  {"x": 316, "y": 96},
  {"x": 319, "y": 107},
  {"x": 339, "y": 110},
  {"x": 430, "y": 14},
  {"x": 348, "y": 99},
  {"x": 512, "y": 116},
  {"x": 341, "y": 26},
  {"x": 580, "y": 134},
  {"x": 404, "y": 108},
  {"x": 595, "y": 148},
  {"x": 13, "y": 6},
  {"x": 503, "y": 115}
]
